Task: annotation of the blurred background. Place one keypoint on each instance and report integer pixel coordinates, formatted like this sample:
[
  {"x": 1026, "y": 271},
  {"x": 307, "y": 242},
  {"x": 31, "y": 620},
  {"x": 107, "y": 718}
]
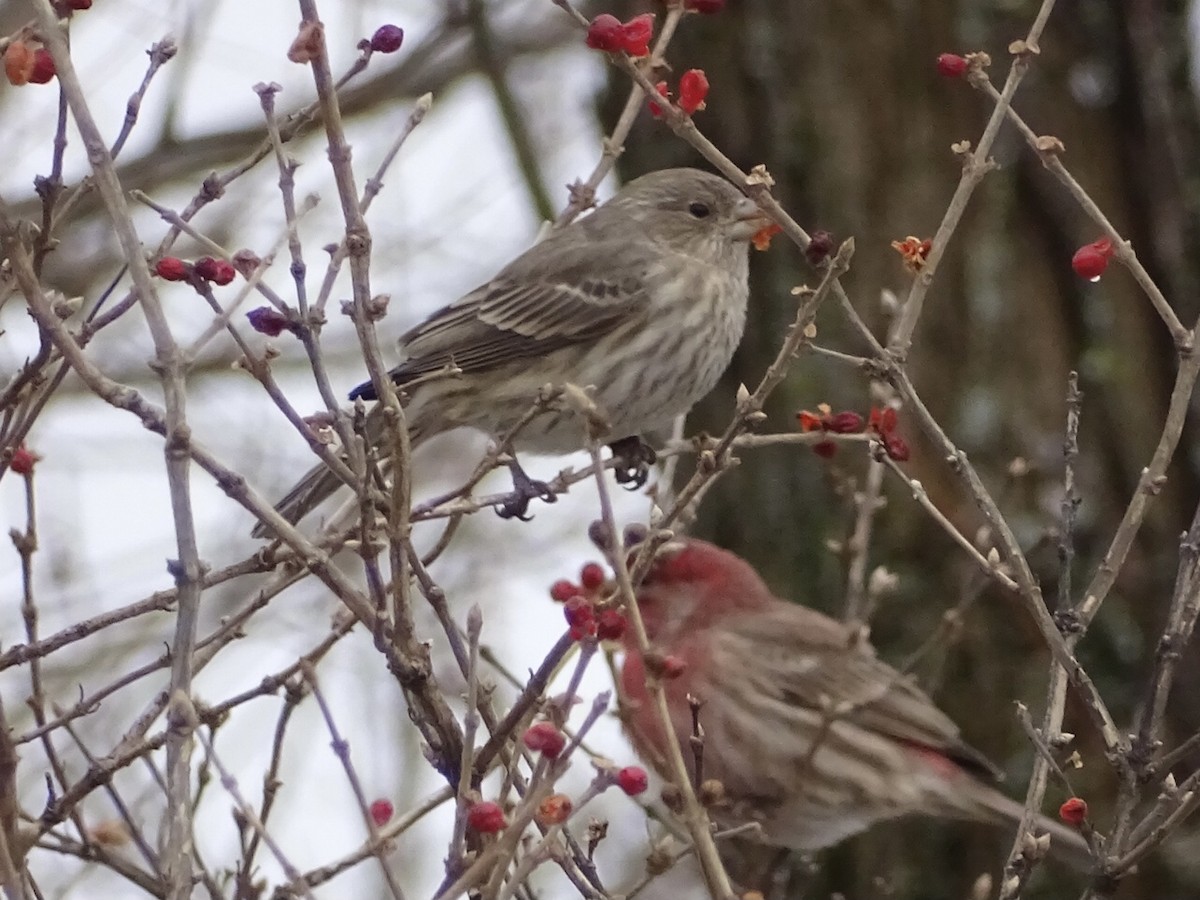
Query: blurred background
[{"x": 843, "y": 104}]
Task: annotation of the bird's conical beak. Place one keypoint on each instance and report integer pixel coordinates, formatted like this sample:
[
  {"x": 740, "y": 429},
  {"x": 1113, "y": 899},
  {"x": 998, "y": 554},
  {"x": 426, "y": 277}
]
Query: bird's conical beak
[{"x": 748, "y": 219}]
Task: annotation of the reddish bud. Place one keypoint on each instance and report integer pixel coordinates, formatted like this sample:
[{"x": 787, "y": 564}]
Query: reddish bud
[
  {"x": 23, "y": 460},
  {"x": 882, "y": 420},
  {"x": 171, "y": 268},
  {"x": 605, "y": 32},
  {"x": 544, "y": 738},
  {"x": 218, "y": 271},
  {"x": 268, "y": 320},
  {"x": 708, "y": 7},
  {"x": 43, "y": 67},
  {"x": 655, "y": 109},
  {"x": 896, "y": 447},
  {"x": 845, "y": 423},
  {"x": 633, "y": 780},
  {"x": 914, "y": 251},
  {"x": 951, "y": 65},
  {"x": 1074, "y": 811},
  {"x": 825, "y": 449},
  {"x": 820, "y": 245},
  {"x": 554, "y": 810},
  {"x": 387, "y": 39},
  {"x": 693, "y": 88},
  {"x": 381, "y": 812},
  {"x": 563, "y": 590},
  {"x": 18, "y": 63},
  {"x": 611, "y": 625},
  {"x": 636, "y": 34},
  {"x": 809, "y": 421},
  {"x": 591, "y": 576},
  {"x": 78, "y": 4},
  {"x": 486, "y": 817},
  {"x": 246, "y": 262},
  {"x": 1091, "y": 260}
]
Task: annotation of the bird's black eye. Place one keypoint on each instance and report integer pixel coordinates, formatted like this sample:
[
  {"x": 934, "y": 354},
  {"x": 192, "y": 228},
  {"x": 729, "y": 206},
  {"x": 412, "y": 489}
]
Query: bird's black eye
[{"x": 699, "y": 210}]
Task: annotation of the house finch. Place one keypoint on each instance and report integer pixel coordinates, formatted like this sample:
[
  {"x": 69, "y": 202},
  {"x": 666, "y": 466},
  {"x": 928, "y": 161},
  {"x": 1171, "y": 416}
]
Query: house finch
[
  {"x": 810, "y": 734},
  {"x": 644, "y": 299}
]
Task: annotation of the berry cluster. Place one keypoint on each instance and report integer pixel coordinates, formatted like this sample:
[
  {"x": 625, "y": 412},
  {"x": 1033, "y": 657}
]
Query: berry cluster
[
  {"x": 608, "y": 33},
  {"x": 881, "y": 421},
  {"x": 584, "y": 617},
  {"x": 216, "y": 271},
  {"x": 25, "y": 64}
]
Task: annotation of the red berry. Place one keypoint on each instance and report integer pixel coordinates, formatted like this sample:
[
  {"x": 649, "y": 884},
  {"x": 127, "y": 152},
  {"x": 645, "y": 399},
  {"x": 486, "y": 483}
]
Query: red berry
[
  {"x": 636, "y": 34},
  {"x": 23, "y": 460},
  {"x": 544, "y": 738},
  {"x": 655, "y": 108},
  {"x": 578, "y": 611},
  {"x": 896, "y": 447},
  {"x": 825, "y": 449},
  {"x": 554, "y": 809},
  {"x": 951, "y": 65},
  {"x": 693, "y": 88},
  {"x": 704, "y": 6},
  {"x": 611, "y": 625},
  {"x": 1074, "y": 811},
  {"x": 43, "y": 67},
  {"x": 79, "y": 4},
  {"x": 381, "y": 812},
  {"x": 218, "y": 271},
  {"x": 387, "y": 39},
  {"x": 267, "y": 320},
  {"x": 591, "y": 576},
  {"x": 632, "y": 780},
  {"x": 883, "y": 420},
  {"x": 563, "y": 590},
  {"x": 605, "y": 32},
  {"x": 1091, "y": 260},
  {"x": 171, "y": 268},
  {"x": 846, "y": 423},
  {"x": 486, "y": 817}
]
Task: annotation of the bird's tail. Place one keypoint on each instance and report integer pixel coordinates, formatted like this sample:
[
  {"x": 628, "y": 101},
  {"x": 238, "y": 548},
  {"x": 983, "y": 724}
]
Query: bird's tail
[
  {"x": 1066, "y": 843},
  {"x": 320, "y": 483}
]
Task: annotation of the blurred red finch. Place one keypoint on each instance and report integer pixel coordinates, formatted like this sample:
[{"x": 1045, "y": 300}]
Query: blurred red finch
[
  {"x": 644, "y": 299},
  {"x": 811, "y": 735}
]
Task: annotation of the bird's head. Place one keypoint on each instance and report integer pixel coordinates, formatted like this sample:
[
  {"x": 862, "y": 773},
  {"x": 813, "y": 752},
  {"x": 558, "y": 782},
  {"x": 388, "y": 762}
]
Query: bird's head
[
  {"x": 693, "y": 585},
  {"x": 682, "y": 206}
]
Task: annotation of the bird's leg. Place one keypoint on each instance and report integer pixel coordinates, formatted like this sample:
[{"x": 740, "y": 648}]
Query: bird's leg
[
  {"x": 636, "y": 457},
  {"x": 516, "y": 504}
]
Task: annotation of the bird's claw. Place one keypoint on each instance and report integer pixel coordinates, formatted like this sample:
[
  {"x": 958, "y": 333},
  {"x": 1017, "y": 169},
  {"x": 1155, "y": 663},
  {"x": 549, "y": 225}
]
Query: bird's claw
[
  {"x": 525, "y": 489},
  {"x": 636, "y": 458}
]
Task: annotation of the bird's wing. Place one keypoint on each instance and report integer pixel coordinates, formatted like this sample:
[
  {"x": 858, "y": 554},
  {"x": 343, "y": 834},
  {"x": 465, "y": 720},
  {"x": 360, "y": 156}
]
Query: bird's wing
[
  {"x": 801, "y": 660},
  {"x": 553, "y": 296}
]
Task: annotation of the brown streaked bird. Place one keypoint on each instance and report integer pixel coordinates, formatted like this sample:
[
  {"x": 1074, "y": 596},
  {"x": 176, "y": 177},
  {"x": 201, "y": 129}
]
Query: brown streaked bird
[
  {"x": 812, "y": 735},
  {"x": 644, "y": 299}
]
